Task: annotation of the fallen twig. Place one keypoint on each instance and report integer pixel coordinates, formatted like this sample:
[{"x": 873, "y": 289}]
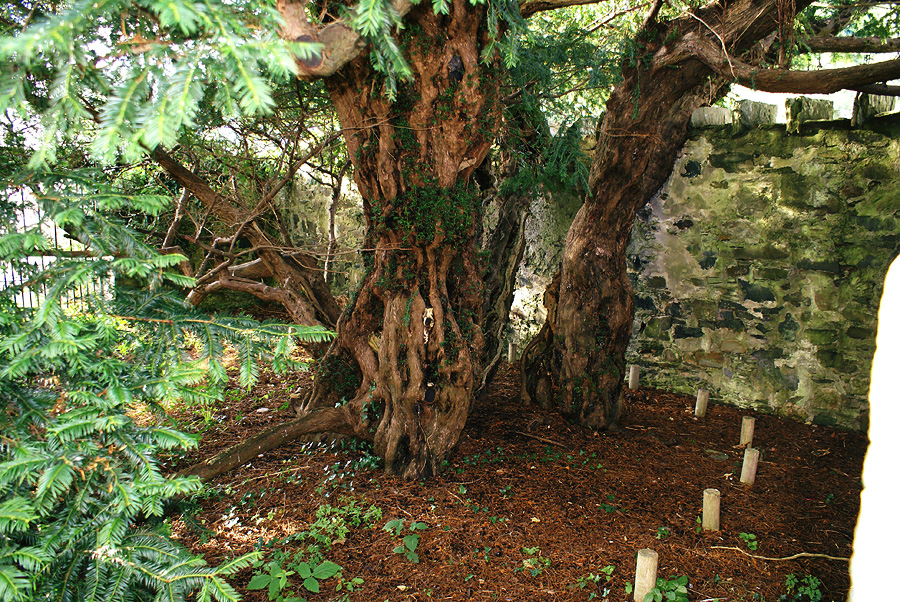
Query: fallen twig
[
  {"x": 541, "y": 439},
  {"x": 794, "y": 557}
]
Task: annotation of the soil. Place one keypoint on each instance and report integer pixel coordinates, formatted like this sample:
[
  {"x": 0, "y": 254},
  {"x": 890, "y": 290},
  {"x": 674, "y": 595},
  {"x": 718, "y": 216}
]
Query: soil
[{"x": 533, "y": 508}]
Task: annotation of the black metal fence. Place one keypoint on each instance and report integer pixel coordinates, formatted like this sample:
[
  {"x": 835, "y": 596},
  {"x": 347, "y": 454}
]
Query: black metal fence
[{"x": 20, "y": 279}]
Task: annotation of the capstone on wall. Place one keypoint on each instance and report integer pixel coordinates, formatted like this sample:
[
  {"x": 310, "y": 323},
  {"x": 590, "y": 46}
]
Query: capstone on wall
[{"x": 758, "y": 268}]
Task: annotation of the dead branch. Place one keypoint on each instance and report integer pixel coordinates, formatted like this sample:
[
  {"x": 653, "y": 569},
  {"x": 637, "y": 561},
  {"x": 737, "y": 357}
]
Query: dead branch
[
  {"x": 792, "y": 557},
  {"x": 541, "y": 439},
  {"x": 530, "y": 7}
]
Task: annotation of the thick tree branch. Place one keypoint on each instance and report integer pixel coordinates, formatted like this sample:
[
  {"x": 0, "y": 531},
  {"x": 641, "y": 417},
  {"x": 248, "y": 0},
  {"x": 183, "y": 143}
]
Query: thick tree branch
[
  {"x": 822, "y": 81},
  {"x": 530, "y": 7},
  {"x": 314, "y": 304},
  {"x": 879, "y": 89},
  {"x": 839, "y": 20},
  {"x": 849, "y": 44},
  {"x": 197, "y": 186},
  {"x": 654, "y": 12},
  {"x": 340, "y": 43},
  {"x": 251, "y": 270}
]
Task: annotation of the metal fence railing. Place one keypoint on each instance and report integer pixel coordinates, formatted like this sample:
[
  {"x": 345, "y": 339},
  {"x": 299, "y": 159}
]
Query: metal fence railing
[{"x": 20, "y": 278}]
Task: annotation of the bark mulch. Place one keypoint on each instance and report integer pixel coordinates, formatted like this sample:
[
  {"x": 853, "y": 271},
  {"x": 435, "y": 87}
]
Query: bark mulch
[{"x": 533, "y": 508}]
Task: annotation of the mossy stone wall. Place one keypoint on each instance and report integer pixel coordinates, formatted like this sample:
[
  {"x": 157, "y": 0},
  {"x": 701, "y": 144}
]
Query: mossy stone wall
[{"x": 758, "y": 268}]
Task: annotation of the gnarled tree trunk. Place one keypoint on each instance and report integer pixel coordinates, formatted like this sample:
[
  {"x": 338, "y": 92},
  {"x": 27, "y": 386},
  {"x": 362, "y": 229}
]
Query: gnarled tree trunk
[
  {"x": 577, "y": 363},
  {"x": 408, "y": 348}
]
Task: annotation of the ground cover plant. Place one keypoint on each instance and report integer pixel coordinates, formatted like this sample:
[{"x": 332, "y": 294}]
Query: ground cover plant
[{"x": 533, "y": 508}]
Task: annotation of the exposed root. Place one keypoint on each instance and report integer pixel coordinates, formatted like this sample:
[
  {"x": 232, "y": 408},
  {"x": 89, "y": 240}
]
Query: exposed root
[{"x": 326, "y": 420}]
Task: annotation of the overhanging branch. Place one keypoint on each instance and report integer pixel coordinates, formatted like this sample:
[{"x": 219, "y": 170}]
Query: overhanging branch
[
  {"x": 879, "y": 89},
  {"x": 530, "y": 7},
  {"x": 849, "y": 44},
  {"x": 821, "y": 81}
]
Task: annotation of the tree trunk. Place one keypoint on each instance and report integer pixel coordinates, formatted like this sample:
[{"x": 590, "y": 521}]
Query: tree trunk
[
  {"x": 408, "y": 348},
  {"x": 505, "y": 249},
  {"x": 577, "y": 363}
]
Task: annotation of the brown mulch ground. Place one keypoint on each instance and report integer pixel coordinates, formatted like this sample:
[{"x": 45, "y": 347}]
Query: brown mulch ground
[{"x": 522, "y": 479}]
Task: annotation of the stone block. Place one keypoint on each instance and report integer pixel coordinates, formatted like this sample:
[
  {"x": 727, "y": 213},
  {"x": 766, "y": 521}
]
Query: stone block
[
  {"x": 687, "y": 332},
  {"x": 860, "y": 333},
  {"x": 821, "y": 336},
  {"x": 657, "y": 328},
  {"x": 711, "y": 116},
  {"x": 750, "y": 114},
  {"x": 756, "y": 292},
  {"x": 802, "y": 109},
  {"x": 867, "y": 106}
]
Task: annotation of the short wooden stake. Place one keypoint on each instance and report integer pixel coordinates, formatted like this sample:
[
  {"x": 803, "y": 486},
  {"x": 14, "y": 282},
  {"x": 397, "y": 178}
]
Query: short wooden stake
[
  {"x": 645, "y": 574},
  {"x": 748, "y": 423},
  {"x": 751, "y": 461},
  {"x": 634, "y": 377},
  {"x": 702, "y": 401},
  {"x": 711, "y": 505},
  {"x": 511, "y": 353}
]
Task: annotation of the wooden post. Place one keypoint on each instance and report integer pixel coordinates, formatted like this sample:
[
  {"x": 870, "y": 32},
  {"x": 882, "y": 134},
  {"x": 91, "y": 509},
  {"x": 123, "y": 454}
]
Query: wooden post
[
  {"x": 751, "y": 461},
  {"x": 645, "y": 574},
  {"x": 702, "y": 401},
  {"x": 511, "y": 353},
  {"x": 711, "y": 505},
  {"x": 634, "y": 377},
  {"x": 748, "y": 423}
]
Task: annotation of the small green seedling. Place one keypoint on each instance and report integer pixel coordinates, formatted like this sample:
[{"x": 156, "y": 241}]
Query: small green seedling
[
  {"x": 662, "y": 532},
  {"x": 350, "y": 584},
  {"x": 806, "y": 588},
  {"x": 673, "y": 589},
  {"x": 749, "y": 539},
  {"x": 605, "y": 575},
  {"x": 410, "y": 543},
  {"x": 536, "y": 563},
  {"x": 275, "y": 579}
]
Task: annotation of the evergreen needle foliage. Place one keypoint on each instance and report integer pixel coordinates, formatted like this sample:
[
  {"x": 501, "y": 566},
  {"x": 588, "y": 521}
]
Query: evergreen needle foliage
[{"x": 82, "y": 484}]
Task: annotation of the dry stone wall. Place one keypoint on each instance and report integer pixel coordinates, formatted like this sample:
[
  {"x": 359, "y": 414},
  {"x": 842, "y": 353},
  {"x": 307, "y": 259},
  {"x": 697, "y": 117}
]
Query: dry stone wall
[{"x": 759, "y": 267}]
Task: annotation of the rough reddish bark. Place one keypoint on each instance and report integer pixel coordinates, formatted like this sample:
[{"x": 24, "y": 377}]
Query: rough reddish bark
[{"x": 408, "y": 349}]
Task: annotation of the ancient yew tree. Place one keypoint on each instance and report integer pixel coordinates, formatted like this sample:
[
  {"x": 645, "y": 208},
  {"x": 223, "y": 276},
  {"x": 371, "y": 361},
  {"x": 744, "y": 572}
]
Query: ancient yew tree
[{"x": 417, "y": 90}]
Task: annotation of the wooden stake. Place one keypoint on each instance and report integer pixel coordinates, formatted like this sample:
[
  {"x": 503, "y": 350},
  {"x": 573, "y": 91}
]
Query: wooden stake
[
  {"x": 634, "y": 378},
  {"x": 751, "y": 461},
  {"x": 645, "y": 574},
  {"x": 511, "y": 353},
  {"x": 748, "y": 423},
  {"x": 702, "y": 401},
  {"x": 711, "y": 505}
]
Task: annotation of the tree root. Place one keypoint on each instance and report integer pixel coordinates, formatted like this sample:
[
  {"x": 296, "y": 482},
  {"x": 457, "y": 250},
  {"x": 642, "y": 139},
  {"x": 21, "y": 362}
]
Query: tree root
[
  {"x": 326, "y": 420},
  {"x": 793, "y": 557}
]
